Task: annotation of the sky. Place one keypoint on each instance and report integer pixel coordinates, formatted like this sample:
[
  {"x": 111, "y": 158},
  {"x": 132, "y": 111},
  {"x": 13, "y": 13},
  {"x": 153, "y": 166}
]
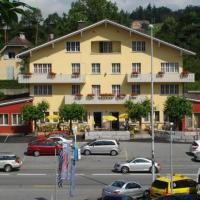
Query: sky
[{"x": 60, "y": 6}]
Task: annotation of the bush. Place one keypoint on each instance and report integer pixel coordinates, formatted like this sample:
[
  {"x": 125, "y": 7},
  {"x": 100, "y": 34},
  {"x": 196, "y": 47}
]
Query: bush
[{"x": 11, "y": 84}]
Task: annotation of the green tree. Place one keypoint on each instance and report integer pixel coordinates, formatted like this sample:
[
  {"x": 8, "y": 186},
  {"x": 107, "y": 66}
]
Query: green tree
[
  {"x": 176, "y": 107},
  {"x": 34, "y": 113},
  {"x": 71, "y": 112},
  {"x": 138, "y": 110}
]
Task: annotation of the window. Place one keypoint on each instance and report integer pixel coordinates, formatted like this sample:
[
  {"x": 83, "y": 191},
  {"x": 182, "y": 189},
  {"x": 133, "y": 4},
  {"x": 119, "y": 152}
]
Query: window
[
  {"x": 75, "y": 89},
  {"x": 73, "y": 46},
  {"x": 3, "y": 119},
  {"x": 169, "y": 89},
  {"x": 157, "y": 116},
  {"x": 136, "y": 67},
  {"x": 132, "y": 185},
  {"x": 96, "y": 68},
  {"x": 42, "y": 68},
  {"x": 75, "y": 68},
  {"x": 42, "y": 90},
  {"x": 105, "y": 47},
  {"x": 16, "y": 119},
  {"x": 189, "y": 121},
  {"x": 96, "y": 89},
  {"x": 116, "y": 68},
  {"x": 136, "y": 89},
  {"x": 138, "y": 46},
  {"x": 115, "y": 89},
  {"x": 170, "y": 67},
  {"x": 9, "y": 55}
]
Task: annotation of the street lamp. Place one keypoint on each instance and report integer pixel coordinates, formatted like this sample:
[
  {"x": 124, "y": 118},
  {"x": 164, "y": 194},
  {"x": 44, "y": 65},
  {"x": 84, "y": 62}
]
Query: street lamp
[
  {"x": 152, "y": 107},
  {"x": 171, "y": 166}
]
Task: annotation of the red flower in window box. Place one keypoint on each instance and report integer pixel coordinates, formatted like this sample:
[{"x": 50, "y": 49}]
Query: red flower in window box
[
  {"x": 76, "y": 73},
  {"x": 134, "y": 94},
  {"x": 161, "y": 73},
  {"x": 184, "y": 73},
  {"x": 91, "y": 95},
  {"x": 78, "y": 95},
  {"x": 27, "y": 73},
  {"x": 106, "y": 94},
  {"x": 121, "y": 95},
  {"x": 52, "y": 73},
  {"x": 134, "y": 73}
]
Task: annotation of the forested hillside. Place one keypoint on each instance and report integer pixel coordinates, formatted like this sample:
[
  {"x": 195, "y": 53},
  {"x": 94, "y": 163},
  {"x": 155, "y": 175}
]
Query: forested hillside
[{"x": 180, "y": 27}]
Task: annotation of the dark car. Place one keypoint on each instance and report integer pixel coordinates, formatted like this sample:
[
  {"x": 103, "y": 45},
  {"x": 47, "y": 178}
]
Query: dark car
[
  {"x": 179, "y": 197},
  {"x": 43, "y": 147},
  {"x": 118, "y": 197}
]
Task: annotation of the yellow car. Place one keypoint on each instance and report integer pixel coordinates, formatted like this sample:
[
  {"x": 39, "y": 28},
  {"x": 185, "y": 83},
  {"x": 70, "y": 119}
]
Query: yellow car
[{"x": 181, "y": 184}]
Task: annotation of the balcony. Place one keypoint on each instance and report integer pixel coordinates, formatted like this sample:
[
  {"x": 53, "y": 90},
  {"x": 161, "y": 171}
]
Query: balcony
[
  {"x": 100, "y": 100},
  {"x": 164, "y": 78},
  {"x": 50, "y": 79}
]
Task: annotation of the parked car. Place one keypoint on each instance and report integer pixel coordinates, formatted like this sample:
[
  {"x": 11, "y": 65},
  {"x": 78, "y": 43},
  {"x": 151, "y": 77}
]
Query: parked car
[
  {"x": 178, "y": 197},
  {"x": 129, "y": 188},
  {"x": 198, "y": 183},
  {"x": 195, "y": 146},
  {"x": 118, "y": 197},
  {"x": 197, "y": 156},
  {"x": 111, "y": 147},
  {"x": 9, "y": 161},
  {"x": 181, "y": 184},
  {"x": 43, "y": 147},
  {"x": 136, "y": 164},
  {"x": 60, "y": 139}
]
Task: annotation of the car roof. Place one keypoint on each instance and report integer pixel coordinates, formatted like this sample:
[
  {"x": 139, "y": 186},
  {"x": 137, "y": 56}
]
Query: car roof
[
  {"x": 104, "y": 140},
  {"x": 176, "y": 177}
]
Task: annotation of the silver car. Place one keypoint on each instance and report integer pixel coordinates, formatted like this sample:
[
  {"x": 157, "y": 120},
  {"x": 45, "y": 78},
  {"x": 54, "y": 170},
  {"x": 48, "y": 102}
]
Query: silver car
[
  {"x": 136, "y": 164},
  {"x": 101, "y": 147},
  {"x": 9, "y": 161},
  {"x": 129, "y": 188}
]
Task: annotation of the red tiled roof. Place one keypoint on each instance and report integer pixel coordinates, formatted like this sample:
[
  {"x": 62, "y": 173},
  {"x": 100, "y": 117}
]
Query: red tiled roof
[{"x": 19, "y": 41}]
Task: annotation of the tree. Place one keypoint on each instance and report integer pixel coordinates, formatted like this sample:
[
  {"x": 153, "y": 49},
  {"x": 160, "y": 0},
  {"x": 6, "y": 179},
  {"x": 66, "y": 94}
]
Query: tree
[
  {"x": 138, "y": 110},
  {"x": 34, "y": 113},
  {"x": 176, "y": 107},
  {"x": 71, "y": 112}
]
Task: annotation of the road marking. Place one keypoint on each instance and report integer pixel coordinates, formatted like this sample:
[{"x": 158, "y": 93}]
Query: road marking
[
  {"x": 106, "y": 174},
  {"x": 4, "y": 174},
  {"x": 80, "y": 174},
  {"x": 31, "y": 174}
]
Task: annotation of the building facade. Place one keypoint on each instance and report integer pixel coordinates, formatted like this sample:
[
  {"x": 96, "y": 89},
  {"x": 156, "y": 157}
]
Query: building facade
[{"x": 100, "y": 67}]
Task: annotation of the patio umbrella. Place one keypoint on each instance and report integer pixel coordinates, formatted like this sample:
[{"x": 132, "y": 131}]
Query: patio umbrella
[
  {"x": 109, "y": 118},
  {"x": 123, "y": 116},
  {"x": 53, "y": 117}
]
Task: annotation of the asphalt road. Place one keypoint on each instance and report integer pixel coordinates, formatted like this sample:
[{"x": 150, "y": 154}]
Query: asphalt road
[{"x": 37, "y": 177}]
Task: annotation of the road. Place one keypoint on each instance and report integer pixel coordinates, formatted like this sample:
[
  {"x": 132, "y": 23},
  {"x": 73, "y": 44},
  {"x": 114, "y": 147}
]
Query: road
[{"x": 36, "y": 179}]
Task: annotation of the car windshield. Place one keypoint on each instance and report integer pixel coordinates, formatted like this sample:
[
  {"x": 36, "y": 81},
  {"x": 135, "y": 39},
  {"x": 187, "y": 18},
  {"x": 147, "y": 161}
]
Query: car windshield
[
  {"x": 160, "y": 184},
  {"x": 118, "y": 184},
  {"x": 130, "y": 160}
]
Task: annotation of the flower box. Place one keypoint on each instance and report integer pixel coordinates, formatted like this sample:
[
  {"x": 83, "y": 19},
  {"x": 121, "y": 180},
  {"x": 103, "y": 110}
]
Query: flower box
[
  {"x": 106, "y": 95},
  {"x": 52, "y": 73},
  {"x": 78, "y": 95},
  {"x": 121, "y": 95},
  {"x": 160, "y": 74},
  {"x": 27, "y": 74},
  {"x": 134, "y": 94},
  {"x": 134, "y": 73},
  {"x": 90, "y": 95},
  {"x": 184, "y": 73}
]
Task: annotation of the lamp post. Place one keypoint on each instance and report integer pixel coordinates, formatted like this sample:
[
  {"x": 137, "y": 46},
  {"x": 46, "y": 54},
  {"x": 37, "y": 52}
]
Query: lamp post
[
  {"x": 152, "y": 108},
  {"x": 171, "y": 166}
]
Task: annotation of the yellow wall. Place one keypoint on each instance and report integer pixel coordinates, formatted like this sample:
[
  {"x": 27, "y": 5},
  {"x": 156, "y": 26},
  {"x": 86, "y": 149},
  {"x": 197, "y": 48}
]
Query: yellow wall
[{"x": 62, "y": 60}]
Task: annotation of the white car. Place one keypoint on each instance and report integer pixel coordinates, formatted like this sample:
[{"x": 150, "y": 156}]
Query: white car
[
  {"x": 195, "y": 147},
  {"x": 60, "y": 139}
]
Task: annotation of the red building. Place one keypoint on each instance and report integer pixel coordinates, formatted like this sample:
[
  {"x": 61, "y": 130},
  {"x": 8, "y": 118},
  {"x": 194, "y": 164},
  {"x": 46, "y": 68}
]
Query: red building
[
  {"x": 10, "y": 116},
  {"x": 193, "y": 122}
]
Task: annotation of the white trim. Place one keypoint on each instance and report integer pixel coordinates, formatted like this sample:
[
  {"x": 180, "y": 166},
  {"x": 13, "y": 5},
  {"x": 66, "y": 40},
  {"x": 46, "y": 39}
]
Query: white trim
[
  {"x": 195, "y": 100},
  {"x": 105, "y": 22},
  {"x": 16, "y": 101}
]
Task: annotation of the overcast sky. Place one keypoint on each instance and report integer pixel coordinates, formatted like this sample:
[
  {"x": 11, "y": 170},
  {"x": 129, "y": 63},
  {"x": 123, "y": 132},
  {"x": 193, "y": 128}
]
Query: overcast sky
[{"x": 60, "y": 6}]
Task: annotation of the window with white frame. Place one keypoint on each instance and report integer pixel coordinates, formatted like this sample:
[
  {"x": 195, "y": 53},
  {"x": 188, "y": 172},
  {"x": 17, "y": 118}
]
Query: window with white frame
[
  {"x": 105, "y": 47},
  {"x": 76, "y": 68},
  {"x": 96, "y": 89},
  {"x": 40, "y": 90},
  {"x": 170, "y": 67},
  {"x": 42, "y": 68},
  {"x": 138, "y": 46},
  {"x": 136, "y": 67},
  {"x": 116, "y": 69},
  {"x": 188, "y": 121},
  {"x": 96, "y": 68},
  {"x": 115, "y": 89},
  {"x": 3, "y": 119},
  {"x": 136, "y": 89},
  {"x": 73, "y": 46},
  {"x": 169, "y": 89},
  {"x": 76, "y": 89},
  {"x": 16, "y": 119}
]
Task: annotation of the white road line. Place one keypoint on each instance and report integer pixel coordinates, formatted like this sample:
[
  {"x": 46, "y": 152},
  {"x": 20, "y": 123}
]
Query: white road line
[
  {"x": 4, "y": 174},
  {"x": 106, "y": 174},
  {"x": 31, "y": 174},
  {"x": 80, "y": 174}
]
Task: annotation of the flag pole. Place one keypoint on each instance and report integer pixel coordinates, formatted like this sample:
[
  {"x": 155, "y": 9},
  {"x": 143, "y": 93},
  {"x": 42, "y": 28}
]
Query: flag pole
[{"x": 56, "y": 177}]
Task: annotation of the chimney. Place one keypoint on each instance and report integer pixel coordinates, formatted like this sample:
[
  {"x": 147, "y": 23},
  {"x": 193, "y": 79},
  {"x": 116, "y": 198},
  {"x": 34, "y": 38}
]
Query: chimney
[
  {"x": 81, "y": 24},
  {"x": 22, "y": 36},
  {"x": 51, "y": 36}
]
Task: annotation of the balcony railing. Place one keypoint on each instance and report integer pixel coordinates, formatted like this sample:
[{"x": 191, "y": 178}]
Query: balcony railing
[
  {"x": 166, "y": 77},
  {"x": 89, "y": 100},
  {"x": 49, "y": 78}
]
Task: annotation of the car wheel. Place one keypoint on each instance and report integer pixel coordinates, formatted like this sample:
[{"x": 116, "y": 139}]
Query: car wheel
[
  {"x": 113, "y": 153},
  {"x": 7, "y": 168},
  {"x": 36, "y": 153},
  {"x": 124, "y": 170},
  {"x": 146, "y": 194},
  {"x": 87, "y": 152}
]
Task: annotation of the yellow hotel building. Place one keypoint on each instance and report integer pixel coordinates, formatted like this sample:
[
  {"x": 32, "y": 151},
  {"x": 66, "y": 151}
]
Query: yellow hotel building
[{"x": 100, "y": 67}]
